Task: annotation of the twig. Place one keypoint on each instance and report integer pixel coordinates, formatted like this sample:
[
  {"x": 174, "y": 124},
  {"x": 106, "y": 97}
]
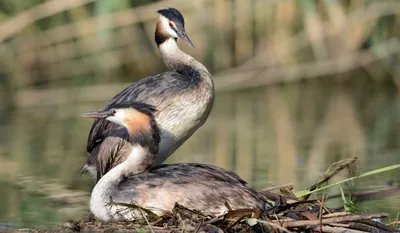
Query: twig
[
  {"x": 133, "y": 206},
  {"x": 337, "y": 214},
  {"x": 215, "y": 219},
  {"x": 145, "y": 218},
  {"x": 281, "y": 197},
  {"x": 343, "y": 164},
  {"x": 378, "y": 225},
  {"x": 321, "y": 204},
  {"x": 394, "y": 223},
  {"x": 198, "y": 227},
  {"x": 228, "y": 206},
  {"x": 274, "y": 225},
  {"x": 233, "y": 224},
  {"x": 339, "y": 225},
  {"x": 333, "y": 220},
  {"x": 338, "y": 230},
  {"x": 270, "y": 189},
  {"x": 363, "y": 227}
]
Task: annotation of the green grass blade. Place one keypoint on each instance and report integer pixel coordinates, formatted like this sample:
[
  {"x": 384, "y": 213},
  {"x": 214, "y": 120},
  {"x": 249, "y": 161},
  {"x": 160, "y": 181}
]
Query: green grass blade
[{"x": 369, "y": 173}]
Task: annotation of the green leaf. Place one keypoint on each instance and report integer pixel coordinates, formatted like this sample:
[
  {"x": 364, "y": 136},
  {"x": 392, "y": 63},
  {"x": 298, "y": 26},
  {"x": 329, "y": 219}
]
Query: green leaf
[{"x": 369, "y": 173}]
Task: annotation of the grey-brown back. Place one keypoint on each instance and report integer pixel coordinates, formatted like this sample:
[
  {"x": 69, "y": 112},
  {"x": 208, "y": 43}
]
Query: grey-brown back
[{"x": 196, "y": 186}]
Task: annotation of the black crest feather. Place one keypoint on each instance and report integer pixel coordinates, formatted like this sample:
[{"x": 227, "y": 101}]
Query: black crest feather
[
  {"x": 173, "y": 15},
  {"x": 141, "y": 107}
]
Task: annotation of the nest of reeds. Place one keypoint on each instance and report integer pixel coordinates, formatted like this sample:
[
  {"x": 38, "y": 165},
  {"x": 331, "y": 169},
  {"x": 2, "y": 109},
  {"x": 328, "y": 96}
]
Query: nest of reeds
[
  {"x": 300, "y": 216},
  {"x": 288, "y": 214}
]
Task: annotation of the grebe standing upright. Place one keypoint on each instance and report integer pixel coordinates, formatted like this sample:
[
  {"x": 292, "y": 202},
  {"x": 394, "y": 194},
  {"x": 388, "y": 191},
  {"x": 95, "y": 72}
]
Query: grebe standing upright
[
  {"x": 183, "y": 97},
  {"x": 196, "y": 186}
]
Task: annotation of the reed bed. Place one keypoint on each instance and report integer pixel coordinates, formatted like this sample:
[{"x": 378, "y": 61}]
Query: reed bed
[{"x": 87, "y": 42}]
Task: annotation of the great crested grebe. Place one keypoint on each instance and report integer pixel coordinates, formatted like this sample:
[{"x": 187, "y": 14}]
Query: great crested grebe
[
  {"x": 196, "y": 186},
  {"x": 183, "y": 97}
]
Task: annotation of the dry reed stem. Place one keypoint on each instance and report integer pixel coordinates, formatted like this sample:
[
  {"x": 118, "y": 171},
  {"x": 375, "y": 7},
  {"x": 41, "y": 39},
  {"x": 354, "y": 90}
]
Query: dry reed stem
[
  {"x": 244, "y": 147},
  {"x": 291, "y": 73},
  {"x": 370, "y": 14},
  {"x": 292, "y": 224},
  {"x": 284, "y": 170},
  {"x": 329, "y": 229},
  {"x": 276, "y": 226},
  {"x": 262, "y": 59},
  {"x": 224, "y": 130},
  {"x": 342, "y": 127},
  {"x": 101, "y": 60},
  {"x": 92, "y": 25},
  {"x": 329, "y": 174},
  {"x": 314, "y": 30},
  {"x": 336, "y": 214},
  {"x": 27, "y": 17},
  {"x": 394, "y": 223}
]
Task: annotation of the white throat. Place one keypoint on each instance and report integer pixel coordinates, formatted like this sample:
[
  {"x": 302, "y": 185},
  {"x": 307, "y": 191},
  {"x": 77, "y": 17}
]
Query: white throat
[
  {"x": 137, "y": 162},
  {"x": 169, "y": 47},
  {"x": 173, "y": 57}
]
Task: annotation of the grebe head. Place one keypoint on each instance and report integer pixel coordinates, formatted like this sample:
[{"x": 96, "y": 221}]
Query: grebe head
[
  {"x": 171, "y": 24},
  {"x": 137, "y": 118}
]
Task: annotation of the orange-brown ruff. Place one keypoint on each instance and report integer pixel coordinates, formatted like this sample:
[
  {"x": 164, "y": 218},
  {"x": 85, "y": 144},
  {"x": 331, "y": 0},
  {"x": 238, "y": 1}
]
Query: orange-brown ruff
[
  {"x": 137, "y": 122},
  {"x": 197, "y": 186},
  {"x": 183, "y": 96}
]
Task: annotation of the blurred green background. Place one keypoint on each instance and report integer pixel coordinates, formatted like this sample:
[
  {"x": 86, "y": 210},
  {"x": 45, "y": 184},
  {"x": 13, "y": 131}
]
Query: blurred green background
[{"x": 299, "y": 85}]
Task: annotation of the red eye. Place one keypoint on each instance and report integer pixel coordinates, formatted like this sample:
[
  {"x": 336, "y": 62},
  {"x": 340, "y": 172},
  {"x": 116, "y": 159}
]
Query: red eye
[
  {"x": 113, "y": 111},
  {"x": 171, "y": 24}
]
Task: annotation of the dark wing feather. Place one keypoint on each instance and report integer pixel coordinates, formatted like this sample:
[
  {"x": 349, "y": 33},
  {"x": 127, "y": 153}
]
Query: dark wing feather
[
  {"x": 185, "y": 172},
  {"x": 193, "y": 170},
  {"x": 111, "y": 151},
  {"x": 197, "y": 186}
]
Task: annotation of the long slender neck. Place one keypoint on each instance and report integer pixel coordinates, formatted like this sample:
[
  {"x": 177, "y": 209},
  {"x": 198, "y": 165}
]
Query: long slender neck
[
  {"x": 174, "y": 58},
  {"x": 139, "y": 160}
]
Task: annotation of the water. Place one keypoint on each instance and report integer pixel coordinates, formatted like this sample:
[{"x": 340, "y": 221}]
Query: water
[{"x": 269, "y": 135}]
